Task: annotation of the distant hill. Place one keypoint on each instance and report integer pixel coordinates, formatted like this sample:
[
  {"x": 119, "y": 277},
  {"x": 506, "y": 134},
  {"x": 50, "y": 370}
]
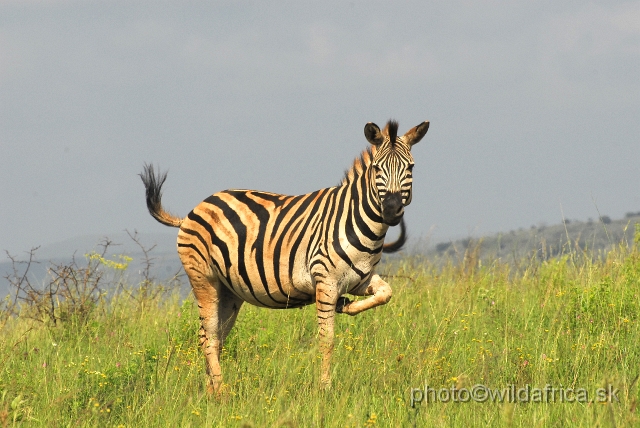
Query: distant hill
[{"x": 593, "y": 236}]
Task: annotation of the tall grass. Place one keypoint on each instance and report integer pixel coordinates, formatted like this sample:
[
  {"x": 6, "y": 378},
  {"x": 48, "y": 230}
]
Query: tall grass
[{"x": 570, "y": 322}]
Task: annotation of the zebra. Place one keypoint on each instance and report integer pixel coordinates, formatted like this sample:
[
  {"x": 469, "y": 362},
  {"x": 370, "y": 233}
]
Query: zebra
[{"x": 278, "y": 251}]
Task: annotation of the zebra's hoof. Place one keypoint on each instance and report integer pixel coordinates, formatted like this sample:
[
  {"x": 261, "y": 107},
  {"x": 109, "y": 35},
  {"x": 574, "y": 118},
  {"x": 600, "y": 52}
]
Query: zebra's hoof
[{"x": 342, "y": 302}]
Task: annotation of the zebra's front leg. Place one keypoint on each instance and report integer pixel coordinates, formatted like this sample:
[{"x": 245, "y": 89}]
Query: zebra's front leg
[
  {"x": 326, "y": 298},
  {"x": 379, "y": 291}
]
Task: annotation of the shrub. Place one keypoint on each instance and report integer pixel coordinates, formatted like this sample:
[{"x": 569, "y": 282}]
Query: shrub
[
  {"x": 71, "y": 290},
  {"x": 443, "y": 246},
  {"x": 605, "y": 219}
]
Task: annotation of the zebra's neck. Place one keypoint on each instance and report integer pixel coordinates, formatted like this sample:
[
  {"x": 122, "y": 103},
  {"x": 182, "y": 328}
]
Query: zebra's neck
[
  {"x": 365, "y": 205},
  {"x": 359, "y": 180}
]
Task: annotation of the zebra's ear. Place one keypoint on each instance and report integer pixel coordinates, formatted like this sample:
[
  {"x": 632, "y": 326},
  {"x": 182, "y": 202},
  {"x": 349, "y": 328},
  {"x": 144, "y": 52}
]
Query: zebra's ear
[
  {"x": 372, "y": 134},
  {"x": 415, "y": 134}
]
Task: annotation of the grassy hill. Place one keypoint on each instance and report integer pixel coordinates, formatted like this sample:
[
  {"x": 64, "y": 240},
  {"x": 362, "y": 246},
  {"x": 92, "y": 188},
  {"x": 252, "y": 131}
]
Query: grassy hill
[{"x": 593, "y": 237}]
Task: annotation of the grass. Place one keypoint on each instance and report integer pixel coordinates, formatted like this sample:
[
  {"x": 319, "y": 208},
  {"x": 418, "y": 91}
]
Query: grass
[{"x": 570, "y": 322}]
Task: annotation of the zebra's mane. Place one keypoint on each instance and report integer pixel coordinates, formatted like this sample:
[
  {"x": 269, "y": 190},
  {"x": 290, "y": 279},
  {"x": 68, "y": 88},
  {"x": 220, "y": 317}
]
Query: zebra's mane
[
  {"x": 392, "y": 132},
  {"x": 359, "y": 165}
]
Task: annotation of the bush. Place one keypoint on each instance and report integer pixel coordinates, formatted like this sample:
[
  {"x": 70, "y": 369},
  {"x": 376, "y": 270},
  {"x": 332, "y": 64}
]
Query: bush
[
  {"x": 443, "y": 246},
  {"x": 605, "y": 219},
  {"x": 73, "y": 290}
]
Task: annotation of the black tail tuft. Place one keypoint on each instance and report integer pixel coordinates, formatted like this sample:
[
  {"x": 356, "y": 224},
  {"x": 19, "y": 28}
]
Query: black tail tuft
[
  {"x": 396, "y": 246},
  {"x": 153, "y": 186}
]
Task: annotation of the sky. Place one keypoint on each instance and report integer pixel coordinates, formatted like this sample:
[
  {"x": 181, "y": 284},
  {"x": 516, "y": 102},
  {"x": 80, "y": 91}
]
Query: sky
[{"x": 534, "y": 108}]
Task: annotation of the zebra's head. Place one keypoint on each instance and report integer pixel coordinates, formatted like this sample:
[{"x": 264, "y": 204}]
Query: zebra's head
[{"x": 392, "y": 166}]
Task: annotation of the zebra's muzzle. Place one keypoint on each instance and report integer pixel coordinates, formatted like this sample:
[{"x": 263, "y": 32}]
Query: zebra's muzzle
[{"x": 392, "y": 209}]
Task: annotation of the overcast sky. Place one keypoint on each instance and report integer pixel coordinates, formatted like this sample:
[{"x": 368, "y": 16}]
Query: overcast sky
[{"x": 534, "y": 107}]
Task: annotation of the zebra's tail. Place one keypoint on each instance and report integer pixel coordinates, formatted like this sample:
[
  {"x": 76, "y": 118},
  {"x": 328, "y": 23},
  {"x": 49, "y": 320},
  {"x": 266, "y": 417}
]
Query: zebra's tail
[
  {"x": 153, "y": 185},
  {"x": 393, "y": 247}
]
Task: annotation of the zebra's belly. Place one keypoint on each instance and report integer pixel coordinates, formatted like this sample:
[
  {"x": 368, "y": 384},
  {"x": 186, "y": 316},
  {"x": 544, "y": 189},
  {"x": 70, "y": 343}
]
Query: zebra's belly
[
  {"x": 297, "y": 290},
  {"x": 288, "y": 281},
  {"x": 265, "y": 288}
]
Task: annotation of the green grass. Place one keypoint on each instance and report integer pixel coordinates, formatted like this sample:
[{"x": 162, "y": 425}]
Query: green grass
[{"x": 568, "y": 322}]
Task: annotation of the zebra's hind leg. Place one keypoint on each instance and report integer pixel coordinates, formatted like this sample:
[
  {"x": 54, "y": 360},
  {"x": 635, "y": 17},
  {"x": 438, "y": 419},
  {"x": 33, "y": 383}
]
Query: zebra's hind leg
[
  {"x": 379, "y": 291},
  {"x": 210, "y": 298},
  {"x": 326, "y": 298},
  {"x": 229, "y": 308},
  {"x": 214, "y": 329}
]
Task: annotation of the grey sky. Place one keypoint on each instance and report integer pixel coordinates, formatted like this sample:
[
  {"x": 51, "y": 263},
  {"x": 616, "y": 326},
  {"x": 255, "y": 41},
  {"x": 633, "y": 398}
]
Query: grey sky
[{"x": 534, "y": 107}]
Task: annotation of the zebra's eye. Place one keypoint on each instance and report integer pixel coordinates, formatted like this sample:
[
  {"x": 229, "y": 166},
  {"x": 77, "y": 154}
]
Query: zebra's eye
[
  {"x": 377, "y": 167},
  {"x": 410, "y": 167}
]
